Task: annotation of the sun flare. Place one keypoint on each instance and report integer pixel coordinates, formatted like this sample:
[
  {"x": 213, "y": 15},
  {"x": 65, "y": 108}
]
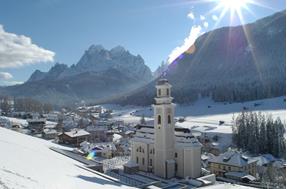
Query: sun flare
[{"x": 233, "y": 5}]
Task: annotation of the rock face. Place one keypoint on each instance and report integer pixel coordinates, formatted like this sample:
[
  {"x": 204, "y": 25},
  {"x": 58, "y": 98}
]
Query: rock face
[
  {"x": 229, "y": 64},
  {"x": 100, "y": 74}
]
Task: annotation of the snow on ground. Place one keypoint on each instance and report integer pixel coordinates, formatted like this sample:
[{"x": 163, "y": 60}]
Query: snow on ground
[
  {"x": 226, "y": 186},
  {"x": 115, "y": 162},
  {"x": 27, "y": 162},
  {"x": 24, "y": 123},
  {"x": 204, "y": 115}
]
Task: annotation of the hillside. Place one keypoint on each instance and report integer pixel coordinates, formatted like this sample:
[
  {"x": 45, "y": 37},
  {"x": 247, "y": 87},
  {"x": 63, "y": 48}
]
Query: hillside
[
  {"x": 27, "y": 162},
  {"x": 229, "y": 64}
]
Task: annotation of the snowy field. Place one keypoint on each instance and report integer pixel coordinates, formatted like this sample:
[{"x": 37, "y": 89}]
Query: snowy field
[
  {"x": 204, "y": 115},
  {"x": 27, "y": 162}
]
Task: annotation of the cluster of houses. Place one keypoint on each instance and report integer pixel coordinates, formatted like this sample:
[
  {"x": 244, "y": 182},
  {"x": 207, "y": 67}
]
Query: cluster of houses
[
  {"x": 160, "y": 148},
  {"x": 77, "y": 128}
]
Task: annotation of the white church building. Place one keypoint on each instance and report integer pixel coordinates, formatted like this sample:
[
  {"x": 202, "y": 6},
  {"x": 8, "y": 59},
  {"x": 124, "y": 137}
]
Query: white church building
[{"x": 163, "y": 149}]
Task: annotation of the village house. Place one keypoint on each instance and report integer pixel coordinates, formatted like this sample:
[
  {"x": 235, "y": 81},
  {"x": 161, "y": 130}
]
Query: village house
[
  {"x": 74, "y": 137},
  {"x": 99, "y": 134},
  {"x": 232, "y": 161},
  {"x": 49, "y": 134},
  {"x": 36, "y": 125}
]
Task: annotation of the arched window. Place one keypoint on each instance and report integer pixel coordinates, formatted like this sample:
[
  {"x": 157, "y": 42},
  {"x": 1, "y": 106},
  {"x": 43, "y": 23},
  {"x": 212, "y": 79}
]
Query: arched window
[
  {"x": 159, "y": 92},
  {"x": 169, "y": 119},
  {"x": 167, "y": 92},
  {"x": 159, "y": 119}
]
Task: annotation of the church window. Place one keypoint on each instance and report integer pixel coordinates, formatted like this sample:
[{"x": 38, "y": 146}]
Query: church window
[
  {"x": 150, "y": 151},
  {"x": 169, "y": 119},
  {"x": 167, "y": 92},
  {"x": 140, "y": 149},
  {"x": 175, "y": 155},
  {"x": 137, "y": 159},
  {"x": 159, "y": 92},
  {"x": 159, "y": 119}
]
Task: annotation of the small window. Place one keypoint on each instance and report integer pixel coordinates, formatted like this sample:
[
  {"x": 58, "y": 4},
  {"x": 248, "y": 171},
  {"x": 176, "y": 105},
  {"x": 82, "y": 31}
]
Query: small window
[
  {"x": 150, "y": 162},
  {"x": 167, "y": 92},
  {"x": 143, "y": 161},
  {"x": 169, "y": 119},
  {"x": 175, "y": 155},
  {"x": 159, "y": 119},
  {"x": 150, "y": 151},
  {"x": 159, "y": 92},
  {"x": 153, "y": 150},
  {"x": 140, "y": 149},
  {"x": 137, "y": 159}
]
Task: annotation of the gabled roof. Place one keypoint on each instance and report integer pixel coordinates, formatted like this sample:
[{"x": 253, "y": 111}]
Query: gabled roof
[
  {"x": 233, "y": 158},
  {"x": 77, "y": 133}
]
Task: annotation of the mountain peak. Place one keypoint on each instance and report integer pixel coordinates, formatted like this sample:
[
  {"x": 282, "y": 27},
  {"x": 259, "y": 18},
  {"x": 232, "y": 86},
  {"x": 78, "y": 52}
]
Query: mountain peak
[
  {"x": 94, "y": 48},
  {"x": 118, "y": 49}
]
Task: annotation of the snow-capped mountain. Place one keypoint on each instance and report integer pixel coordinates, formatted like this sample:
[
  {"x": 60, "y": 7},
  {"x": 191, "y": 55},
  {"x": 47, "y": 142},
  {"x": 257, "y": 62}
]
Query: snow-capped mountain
[
  {"x": 229, "y": 64},
  {"x": 97, "y": 59},
  {"x": 99, "y": 74}
]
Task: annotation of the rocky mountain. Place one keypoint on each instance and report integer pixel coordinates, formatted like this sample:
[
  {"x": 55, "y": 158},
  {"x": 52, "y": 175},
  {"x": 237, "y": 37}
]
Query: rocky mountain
[
  {"x": 99, "y": 74},
  {"x": 229, "y": 64}
]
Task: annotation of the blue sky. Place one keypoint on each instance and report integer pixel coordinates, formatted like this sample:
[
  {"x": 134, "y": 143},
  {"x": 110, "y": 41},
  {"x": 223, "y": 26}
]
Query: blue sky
[{"x": 151, "y": 28}]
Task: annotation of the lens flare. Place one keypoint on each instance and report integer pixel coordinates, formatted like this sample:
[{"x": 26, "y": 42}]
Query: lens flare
[{"x": 91, "y": 155}]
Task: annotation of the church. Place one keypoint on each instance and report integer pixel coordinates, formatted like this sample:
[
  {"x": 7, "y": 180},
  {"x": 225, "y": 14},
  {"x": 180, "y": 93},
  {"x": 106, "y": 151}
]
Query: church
[{"x": 163, "y": 149}]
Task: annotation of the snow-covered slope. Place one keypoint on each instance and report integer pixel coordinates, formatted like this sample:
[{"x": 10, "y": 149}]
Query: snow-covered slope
[
  {"x": 27, "y": 162},
  {"x": 204, "y": 115}
]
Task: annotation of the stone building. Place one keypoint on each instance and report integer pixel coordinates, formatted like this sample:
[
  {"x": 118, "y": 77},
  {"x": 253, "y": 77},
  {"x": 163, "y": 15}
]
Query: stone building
[
  {"x": 232, "y": 161},
  {"x": 163, "y": 149}
]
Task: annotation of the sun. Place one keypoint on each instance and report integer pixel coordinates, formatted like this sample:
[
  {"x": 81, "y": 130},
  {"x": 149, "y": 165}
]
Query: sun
[{"x": 233, "y": 5}]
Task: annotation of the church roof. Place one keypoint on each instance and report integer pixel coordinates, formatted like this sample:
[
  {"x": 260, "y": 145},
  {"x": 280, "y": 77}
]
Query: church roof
[
  {"x": 183, "y": 136},
  {"x": 162, "y": 82}
]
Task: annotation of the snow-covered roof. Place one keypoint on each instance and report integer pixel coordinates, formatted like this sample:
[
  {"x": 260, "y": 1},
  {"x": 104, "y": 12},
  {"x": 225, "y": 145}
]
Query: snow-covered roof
[
  {"x": 50, "y": 131},
  {"x": 240, "y": 175},
  {"x": 183, "y": 136},
  {"x": 131, "y": 164},
  {"x": 233, "y": 158},
  {"x": 77, "y": 133},
  {"x": 116, "y": 137}
]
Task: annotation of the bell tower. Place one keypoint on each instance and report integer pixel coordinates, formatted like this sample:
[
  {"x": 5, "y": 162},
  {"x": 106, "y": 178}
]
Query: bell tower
[{"x": 164, "y": 130}]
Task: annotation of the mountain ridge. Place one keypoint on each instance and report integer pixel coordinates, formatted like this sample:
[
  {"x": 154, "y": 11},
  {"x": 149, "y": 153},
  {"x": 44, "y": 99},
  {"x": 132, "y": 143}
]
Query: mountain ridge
[
  {"x": 228, "y": 66},
  {"x": 98, "y": 74}
]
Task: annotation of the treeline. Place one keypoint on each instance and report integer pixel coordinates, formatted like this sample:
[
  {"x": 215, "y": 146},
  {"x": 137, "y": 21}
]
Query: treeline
[
  {"x": 8, "y": 105},
  {"x": 258, "y": 133},
  {"x": 233, "y": 91}
]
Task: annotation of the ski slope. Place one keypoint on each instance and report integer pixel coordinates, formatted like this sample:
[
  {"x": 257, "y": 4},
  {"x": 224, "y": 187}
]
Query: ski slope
[{"x": 27, "y": 162}]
